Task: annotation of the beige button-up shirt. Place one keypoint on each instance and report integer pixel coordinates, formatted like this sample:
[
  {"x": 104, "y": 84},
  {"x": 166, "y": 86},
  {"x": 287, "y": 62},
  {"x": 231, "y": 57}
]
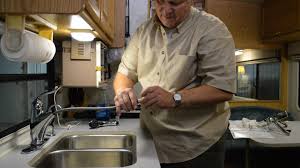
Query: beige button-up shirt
[{"x": 199, "y": 52}]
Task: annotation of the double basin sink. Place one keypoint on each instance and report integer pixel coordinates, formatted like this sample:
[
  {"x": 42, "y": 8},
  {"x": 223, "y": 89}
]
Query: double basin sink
[{"x": 88, "y": 149}]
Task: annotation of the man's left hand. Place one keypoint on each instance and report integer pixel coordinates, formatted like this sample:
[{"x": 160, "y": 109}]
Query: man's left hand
[{"x": 157, "y": 96}]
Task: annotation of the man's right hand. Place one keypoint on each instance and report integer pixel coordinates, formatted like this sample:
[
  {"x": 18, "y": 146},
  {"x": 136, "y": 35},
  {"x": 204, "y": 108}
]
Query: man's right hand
[{"x": 125, "y": 99}]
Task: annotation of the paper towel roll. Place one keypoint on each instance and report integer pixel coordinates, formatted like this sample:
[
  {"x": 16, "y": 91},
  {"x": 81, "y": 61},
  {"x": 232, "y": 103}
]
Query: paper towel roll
[{"x": 34, "y": 49}]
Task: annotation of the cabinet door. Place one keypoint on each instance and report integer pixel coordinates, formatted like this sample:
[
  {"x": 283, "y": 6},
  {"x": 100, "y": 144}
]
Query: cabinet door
[
  {"x": 280, "y": 17},
  {"x": 93, "y": 8},
  {"x": 243, "y": 19},
  {"x": 119, "y": 31},
  {"x": 107, "y": 16},
  {"x": 103, "y": 16},
  {"x": 40, "y": 6}
]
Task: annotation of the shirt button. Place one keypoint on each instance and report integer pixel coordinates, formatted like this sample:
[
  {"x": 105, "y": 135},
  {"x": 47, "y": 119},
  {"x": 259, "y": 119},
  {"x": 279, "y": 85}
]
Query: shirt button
[
  {"x": 157, "y": 73},
  {"x": 151, "y": 112},
  {"x": 162, "y": 52},
  {"x": 164, "y": 33}
]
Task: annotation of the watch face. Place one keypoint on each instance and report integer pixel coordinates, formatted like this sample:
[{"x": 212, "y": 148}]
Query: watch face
[{"x": 177, "y": 97}]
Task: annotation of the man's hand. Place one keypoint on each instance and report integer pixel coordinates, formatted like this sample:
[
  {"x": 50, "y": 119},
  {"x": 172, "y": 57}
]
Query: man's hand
[
  {"x": 157, "y": 96},
  {"x": 125, "y": 99}
]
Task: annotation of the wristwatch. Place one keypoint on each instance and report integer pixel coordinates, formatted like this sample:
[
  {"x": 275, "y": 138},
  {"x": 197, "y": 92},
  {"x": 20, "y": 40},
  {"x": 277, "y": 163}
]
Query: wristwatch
[{"x": 177, "y": 99}]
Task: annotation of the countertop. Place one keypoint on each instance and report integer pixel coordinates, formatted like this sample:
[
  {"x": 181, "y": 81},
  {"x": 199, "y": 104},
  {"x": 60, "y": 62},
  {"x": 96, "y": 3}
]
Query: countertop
[
  {"x": 146, "y": 153},
  {"x": 280, "y": 139}
]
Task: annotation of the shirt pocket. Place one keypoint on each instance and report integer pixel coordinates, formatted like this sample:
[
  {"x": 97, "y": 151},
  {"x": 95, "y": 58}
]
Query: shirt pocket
[{"x": 181, "y": 70}]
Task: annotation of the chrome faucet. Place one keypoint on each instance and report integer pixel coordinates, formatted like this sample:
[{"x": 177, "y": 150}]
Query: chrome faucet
[
  {"x": 38, "y": 128},
  {"x": 39, "y": 121}
]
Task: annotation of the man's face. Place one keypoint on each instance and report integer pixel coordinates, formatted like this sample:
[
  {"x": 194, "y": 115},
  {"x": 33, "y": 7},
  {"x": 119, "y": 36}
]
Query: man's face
[{"x": 172, "y": 12}]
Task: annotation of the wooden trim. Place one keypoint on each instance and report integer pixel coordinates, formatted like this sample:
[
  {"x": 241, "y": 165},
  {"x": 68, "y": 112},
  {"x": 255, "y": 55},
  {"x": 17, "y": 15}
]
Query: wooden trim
[{"x": 270, "y": 104}]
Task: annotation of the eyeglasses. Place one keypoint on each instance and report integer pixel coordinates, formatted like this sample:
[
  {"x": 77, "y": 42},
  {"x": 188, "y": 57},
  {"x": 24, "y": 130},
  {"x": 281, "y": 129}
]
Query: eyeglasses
[{"x": 171, "y": 2}]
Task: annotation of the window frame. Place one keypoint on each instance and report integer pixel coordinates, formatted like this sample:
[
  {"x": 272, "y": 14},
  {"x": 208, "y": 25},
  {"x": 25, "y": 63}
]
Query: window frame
[{"x": 258, "y": 63}]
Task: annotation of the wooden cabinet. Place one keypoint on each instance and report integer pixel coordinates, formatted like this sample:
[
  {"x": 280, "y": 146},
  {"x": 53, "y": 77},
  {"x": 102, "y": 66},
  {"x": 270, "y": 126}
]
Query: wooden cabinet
[
  {"x": 40, "y": 6},
  {"x": 243, "y": 19},
  {"x": 107, "y": 13},
  {"x": 102, "y": 12},
  {"x": 281, "y": 20},
  {"x": 106, "y": 17}
]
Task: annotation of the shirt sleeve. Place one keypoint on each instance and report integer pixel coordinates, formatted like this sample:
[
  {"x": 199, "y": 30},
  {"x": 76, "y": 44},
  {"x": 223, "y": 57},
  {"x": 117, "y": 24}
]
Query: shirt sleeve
[
  {"x": 216, "y": 66},
  {"x": 128, "y": 65}
]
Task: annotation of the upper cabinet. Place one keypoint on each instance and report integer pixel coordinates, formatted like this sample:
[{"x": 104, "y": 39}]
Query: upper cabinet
[
  {"x": 106, "y": 17},
  {"x": 243, "y": 19},
  {"x": 107, "y": 13},
  {"x": 281, "y": 20}
]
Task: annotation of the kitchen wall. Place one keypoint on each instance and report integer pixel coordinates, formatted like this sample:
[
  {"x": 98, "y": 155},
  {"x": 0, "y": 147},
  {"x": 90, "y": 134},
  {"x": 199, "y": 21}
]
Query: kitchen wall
[
  {"x": 137, "y": 13},
  {"x": 293, "y": 79}
]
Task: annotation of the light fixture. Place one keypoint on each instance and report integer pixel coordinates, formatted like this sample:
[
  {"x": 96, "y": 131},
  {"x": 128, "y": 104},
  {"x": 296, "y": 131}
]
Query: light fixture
[
  {"x": 241, "y": 70},
  {"x": 83, "y": 36},
  {"x": 78, "y": 23},
  {"x": 80, "y": 29},
  {"x": 239, "y": 52}
]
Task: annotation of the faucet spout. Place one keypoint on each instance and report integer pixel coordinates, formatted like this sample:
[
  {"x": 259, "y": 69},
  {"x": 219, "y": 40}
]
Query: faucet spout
[{"x": 40, "y": 130}]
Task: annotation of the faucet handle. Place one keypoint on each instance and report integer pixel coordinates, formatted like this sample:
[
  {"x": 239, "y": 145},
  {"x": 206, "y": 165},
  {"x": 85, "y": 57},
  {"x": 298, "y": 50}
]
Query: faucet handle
[{"x": 38, "y": 106}]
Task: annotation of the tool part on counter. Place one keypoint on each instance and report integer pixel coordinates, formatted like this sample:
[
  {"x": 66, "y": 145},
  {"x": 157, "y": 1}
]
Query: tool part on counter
[{"x": 96, "y": 124}]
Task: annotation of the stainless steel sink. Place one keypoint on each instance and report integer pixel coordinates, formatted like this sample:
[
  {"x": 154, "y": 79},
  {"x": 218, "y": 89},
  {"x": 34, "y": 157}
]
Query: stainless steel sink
[
  {"x": 95, "y": 141},
  {"x": 87, "y": 158},
  {"x": 88, "y": 149}
]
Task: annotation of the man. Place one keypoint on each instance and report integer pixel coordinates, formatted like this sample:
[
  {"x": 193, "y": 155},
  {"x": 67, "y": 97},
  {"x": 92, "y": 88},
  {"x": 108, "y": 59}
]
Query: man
[{"x": 184, "y": 60}]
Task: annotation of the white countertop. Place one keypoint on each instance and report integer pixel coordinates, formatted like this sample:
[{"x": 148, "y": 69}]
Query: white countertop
[
  {"x": 280, "y": 139},
  {"x": 146, "y": 153}
]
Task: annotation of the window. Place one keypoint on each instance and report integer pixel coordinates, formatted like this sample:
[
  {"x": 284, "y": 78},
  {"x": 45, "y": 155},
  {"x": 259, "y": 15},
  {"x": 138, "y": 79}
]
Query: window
[
  {"x": 20, "y": 83},
  {"x": 259, "y": 81}
]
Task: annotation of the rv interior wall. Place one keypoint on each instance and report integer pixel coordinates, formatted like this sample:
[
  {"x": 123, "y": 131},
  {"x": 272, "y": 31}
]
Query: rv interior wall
[
  {"x": 293, "y": 82},
  {"x": 138, "y": 14}
]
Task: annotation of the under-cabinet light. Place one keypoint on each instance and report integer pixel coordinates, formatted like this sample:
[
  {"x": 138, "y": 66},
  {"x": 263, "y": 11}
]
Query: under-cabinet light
[
  {"x": 83, "y": 36},
  {"x": 239, "y": 52},
  {"x": 78, "y": 23}
]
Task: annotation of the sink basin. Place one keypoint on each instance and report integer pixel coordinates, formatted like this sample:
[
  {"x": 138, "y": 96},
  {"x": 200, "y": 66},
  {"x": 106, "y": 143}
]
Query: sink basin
[
  {"x": 95, "y": 141},
  {"x": 87, "y": 158},
  {"x": 88, "y": 149}
]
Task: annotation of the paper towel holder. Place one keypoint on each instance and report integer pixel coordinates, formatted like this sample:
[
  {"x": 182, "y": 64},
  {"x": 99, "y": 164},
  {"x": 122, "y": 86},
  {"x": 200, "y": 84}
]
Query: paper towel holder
[
  {"x": 14, "y": 28},
  {"x": 20, "y": 45}
]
